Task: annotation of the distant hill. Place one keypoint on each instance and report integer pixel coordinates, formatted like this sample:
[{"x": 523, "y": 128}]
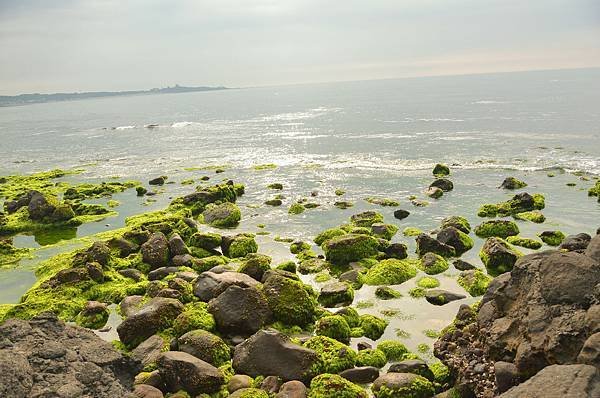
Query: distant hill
[{"x": 24, "y": 99}]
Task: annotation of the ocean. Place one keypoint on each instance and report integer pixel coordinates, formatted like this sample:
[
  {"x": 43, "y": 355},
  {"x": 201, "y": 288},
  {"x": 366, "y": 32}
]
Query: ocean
[{"x": 370, "y": 138}]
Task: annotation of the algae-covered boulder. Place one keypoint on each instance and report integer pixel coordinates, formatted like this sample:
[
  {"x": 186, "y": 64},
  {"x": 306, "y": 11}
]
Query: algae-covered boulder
[
  {"x": 524, "y": 242},
  {"x": 443, "y": 183},
  {"x": 433, "y": 264},
  {"x": 194, "y": 316},
  {"x": 269, "y": 352},
  {"x": 336, "y": 294},
  {"x": 441, "y": 170},
  {"x": 552, "y": 238},
  {"x": 239, "y": 245},
  {"x": 289, "y": 300},
  {"x": 498, "y": 256},
  {"x": 182, "y": 371},
  {"x": 155, "y": 251},
  {"x": 157, "y": 314},
  {"x": 210, "y": 284},
  {"x": 399, "y": 385},
  {"x": 497, "y": 228},
  {"x": 458, "y": 222},
  {"x": 475, "y": 282},
  {"x": 390, "y": 272},
  {"x": 333, "y": 386},
  {"x": 224, "y": 215},
  {"x": 385, "y": 231},
  {"x": 427, "y": 244},
  {"x": 328, "y": 234},
  {"x": 387, "y": 293},
  {"x": 334, "y": 356},
  {"x": 534, "y": 216},
  {"x": 396, "y": 250},
  {"x": 255, "y": 265},
  {"x": 93, "y": 316},
  {"x": 434, "y": 192},
  {"x": 206, "y": 346},
  {"x": 512, "y": 183},
  {"x": 335, "y": 327},
  {"x": 366, "y": 218},
  {"x": 372, "y": 326},
  {"x": 522, "y": 202},
  {"x": 351, "y": 247},
  {"x": 205, "y": 240},
  {"x": 460, "y": 241},
  {"x": 240, "y": 311},
  {"x": 371, "y": 357}
]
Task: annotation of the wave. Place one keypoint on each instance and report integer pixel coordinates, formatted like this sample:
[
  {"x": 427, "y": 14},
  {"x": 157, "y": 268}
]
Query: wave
[{"x": 489, "y": 102}]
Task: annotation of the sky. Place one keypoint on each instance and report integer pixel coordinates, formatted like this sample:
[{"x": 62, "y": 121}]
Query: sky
[{"x": 89, "y": 45}]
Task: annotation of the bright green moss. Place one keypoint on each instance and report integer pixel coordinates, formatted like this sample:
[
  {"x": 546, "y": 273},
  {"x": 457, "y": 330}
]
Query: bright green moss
[
  {"x": 328, "y": 234},
  {"x": 224, "y": 215},
  {"x": 423, "y": 348},
  {"x": 391, "y": 272},
  {"x": 213, "y": 346},
  {"x": 595, "y": 190},
  {"x": 371, "y": 357},
  {"x": 335, "y": 327},
  {"x": 475, "y": 283},
  {"x": 372, "y": 326},
  {"x": 334, "y": 386},
  {"x": 251, "y": 393},
  {"x": 432, "y": 334},
  {"x": 343, "y": 204},
  {"x": 498, "y": 228},
  {"x": 382, "y": 202},
  {"x": 498, "y": 256},
  {"x": 339, "y": 192},
  {"x": 255, "y": 264},
  {"x": 10, "y": 254},
  {"x": 419, "y": 388},
  {"x": 289, "y": 266},
  {"x": 89, "y": 191},
  {"x": 441, "y": 373},
  {"x": 393, "y": 350},
  {"x": 552, "y": 238},
  {"x": 322, "y": 277},
  {"x": 92, "y": 321},
  {"x": 205, "y": 240},
  {"x": 512, "y": 206},
  {"x": 275, "y": 185},
  {"x": 524, "y": 242},
  {"x": 534, "y": 216},
  {"x": 195, "y": 316},
  {"x": 428, "y": 282},
  {"x": 513, "y": 183},
  {"x": 351, "y": 316},
  {"x": 289, "y": 300},
  {"x": 417, "y": 292},
  {"x": 299, "y": 246},
  {"x": 433, "y": 264},
  {"x": 411, "y": 231},
  {"x": 242, "y": 245},
  {"x": 457, "y": 222},
  {"x": 366, "y": 218},
  {"x": 334, "y": 356},
  {"x": 387, "y": 293},
  {"x": 266, "y": 166},
  {"x": 296, "y": 208},
  {"x": 351, "y": 247}
]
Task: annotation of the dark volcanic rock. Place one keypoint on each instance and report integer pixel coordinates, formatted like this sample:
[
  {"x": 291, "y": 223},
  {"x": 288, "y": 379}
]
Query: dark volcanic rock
[
  {"x": 182, "y": 371},
  {"x": 559, "y": 381},
  {"x": 401, "y": 214},
  {"x": 361, "y": 375},
  {"x": 209, "y": 284},
  {"x": 441, "y": 297},
  {"x": 46, "y": 358},
  {"x": 576, "y": 243},
  {"x": 156, "y": 250},
  {"x": 463, "y": 265},
  {"x": 427, "y": 244},
  {"x": 270, "y": 352},
  {"x": 241, "y": 311}
]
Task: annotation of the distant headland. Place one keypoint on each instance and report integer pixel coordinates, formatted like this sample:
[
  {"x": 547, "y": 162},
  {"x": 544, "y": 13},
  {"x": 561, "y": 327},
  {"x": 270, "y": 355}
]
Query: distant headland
[{"x": 24, "y": 99}]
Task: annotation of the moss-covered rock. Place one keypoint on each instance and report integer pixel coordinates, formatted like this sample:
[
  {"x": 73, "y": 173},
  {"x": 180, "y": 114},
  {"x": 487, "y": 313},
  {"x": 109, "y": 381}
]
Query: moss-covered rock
[
  {"x": 335, "y": 327},
  {"x": 427, "y": 282},
  {"x": 366, "y": 218},
  {"x": 512, "y": 183},
  {"x": 296, "y": 208},
  {"x": 239, "y": 245},
  {"x": 312, "y": 266},
  {"x": 205, "y": 240},
  {"x": 371, "y": 357},
  {"x": 498, "y": 256},
  {"x": 411, "y": 231},
  {"x": 427, "y": 244},
  {"x": 351, "y": 247},
  {"x": 385, "y": 231},
  {"x": 460, "y": 241},
  {"x": 386, "y": 202},
  {"x": 527, "y": 243},
  {"x": 328, "y": 234},
  {"x": 458, "y": 222},
  {"x": 288, "y": 266},
  {"x": 275, "y": 185},
  {"x": 334, "y": 386},
  {"x": 194, "y": 316},
  {"x": 520, "y": 203},
  {"x": 401, "y": 385},
  {"x": 336, "y": 294},
  {"x": 475, "y": 282},
  {"x": 393, "y": 350},
  {"x": 372, "y": 326},
  {"x": 391, "y": 272},
  {"x": 387, "y": 293},
  {"x": 289, "y": 300},
  {"x": 93, "y": 316},
  {"x": 441, "y": 170},
  {"x": 534, "y": 216},
  {"x": 224, "y": 215},
  {"x": 497, "y": 228},
  {"x": 206, "y": 346},
  {"x": 433, "y": 264},
  {"x": 334, "y": 356},
  {"x": 255, "y": 265},
  {"x": 552, "y": 238}
]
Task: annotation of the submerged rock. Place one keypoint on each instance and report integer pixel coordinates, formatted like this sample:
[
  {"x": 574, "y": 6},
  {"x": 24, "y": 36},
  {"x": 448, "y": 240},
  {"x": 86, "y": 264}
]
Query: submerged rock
[{"x": 512, "y": 183}]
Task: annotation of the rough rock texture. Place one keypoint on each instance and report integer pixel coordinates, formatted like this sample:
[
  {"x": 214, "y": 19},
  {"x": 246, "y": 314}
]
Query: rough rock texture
[
  {"x": 182, "y": 371},
  {"x": 209, "y": 284},
  {"x": 271, "y": 353},
  {"x": 545, "y": 311},
  {"x": 240, "y": 311},
  {"x": 559, "y": 381},
  {"x": 46, "y": 358}
]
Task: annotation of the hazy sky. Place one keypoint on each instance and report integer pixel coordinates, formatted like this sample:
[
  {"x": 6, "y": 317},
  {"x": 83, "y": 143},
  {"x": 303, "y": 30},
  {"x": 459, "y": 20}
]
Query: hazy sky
[{"x": 70, "y": 45}]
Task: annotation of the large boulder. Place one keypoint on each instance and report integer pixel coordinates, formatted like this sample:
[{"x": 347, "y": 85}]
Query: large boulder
[
  {"x": 240, "y": 311},
  {"x": 210, "y": 284},
  {"x": 427, "y": 244},
  {"x": 460, "y": 241},
  {"x": 498, "y": 256},
  {"x": 559, "y": 381},
  {"x": 157, "y": 314},
  {"x": 289, "y": 300},
  {"x": 224, "y": 215},
  {"x": 347, "y": 248},
  {"x": 206, "y": 346},
  {"x": 39, "y": 207},
  {"x": 155, "y": 251},
  {"x": 182, "y": 371},
  {"x": 271, "y": 353},
  {"x": 45, "y": 357},
  {"x": 402, "y": 384}
]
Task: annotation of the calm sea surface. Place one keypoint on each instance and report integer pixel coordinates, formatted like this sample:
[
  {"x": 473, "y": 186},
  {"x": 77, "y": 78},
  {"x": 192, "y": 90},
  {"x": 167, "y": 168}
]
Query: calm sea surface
[{"x": 372, "y": 138}]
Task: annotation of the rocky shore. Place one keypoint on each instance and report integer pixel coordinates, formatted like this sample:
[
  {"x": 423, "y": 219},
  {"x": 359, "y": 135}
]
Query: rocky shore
[{"x": 205, "y": 314}]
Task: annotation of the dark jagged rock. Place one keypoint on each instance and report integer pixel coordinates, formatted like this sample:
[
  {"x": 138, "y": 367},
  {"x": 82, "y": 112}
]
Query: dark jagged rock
[
  {"x": 427, "y": 244},
  {"x": 441, "y": 297},
  {"x": 415, "y": 366},
  {"x": 269, "y": 352},
  {"x": 44, "y": 357},
  {"x": 463, "y": 265},
  {"x": 161, "y": 273},
  {"x": 397, "y": 250},
  {"x": 182, "y": 371},
  {"x": 401, "y": 214},
  {"x": 155, "y": 251},
  {"x": 241, "y": 311},
  {"x": 576, "y": 243},
  {"x": 512, "y": 183},
  {"x": 443, "y": 183},
  {"x": 456, "y": 238},
  {"x": 209, "y": 284}
]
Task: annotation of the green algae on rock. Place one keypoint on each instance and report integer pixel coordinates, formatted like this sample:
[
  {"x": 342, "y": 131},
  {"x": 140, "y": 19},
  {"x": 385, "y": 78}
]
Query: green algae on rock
[
  {"x": 350, "y": 247},
  {"x": 224, "y": 215},
  {"x": 458, "y": 222},
  {"x": 497, "y": 228},
  {"x": 432, "y": 264},
  {"x": 366, "y": 218},
  {"x": 372, "y": 326},
  {"x": 520, "y": 203},
  {"x": 328, "y": 234},
  {"x": 289, "y": 300},
  {"x": 371, "y": 357},
  {"x": 335, "y": 327},
  {"x": 534, "y": 216},
  {"x": 552, "y": 238},
  {"x": 296, "y": 208},
  {"x": 498, "y": 256},
  {"x": 334, "y": 356},
  {"x": 387, "y": 293},
  {"x": 441, "y": 170},
  {"x": 428, "y": 282},
  {"x": 475, "y": 282},
  {"x": 527, "y": 243},
  {"x": 329, "y": 385},
  {"x": 512, "y": 183},
  {"x": 411, "y": 231},
  {"x": 10, "y": 254},
  {"x": 391, "y": 272},
  {"x": 393, "y": 350},
  {"x": 386, "y": 202}
]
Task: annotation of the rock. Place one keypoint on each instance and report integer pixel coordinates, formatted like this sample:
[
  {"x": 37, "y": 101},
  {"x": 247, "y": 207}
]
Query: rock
[
  {"x": 269, "y": 352},
  {"x": 366, "y": 218},
  {"x": 98, "y": 252},
  {"x": 577, "y": 242},
  {"x": 155, "y": 251},
  {"x": 552, "y": 238},
  {"x": 441, "y": 297},
  {"x": 240, "y": 310},
  {"x": 497, "y": 228},
  {"x": 433, "y": 264},
  {"x": 361, "y": 375},
  {"x": 441, "y": 170},
  {"x": 130, "y": 305},
  {"x": 507, "y": 375},
  {"x": 329, "y": 385},
  {"x": 206, "y": 346},
  {"x": 158, "y": 180},
  {"x": 434, "y": 192},
  {"x": 237, "y": 382},
  {"x": 427, "y": 244},
  {"x": 147, "y": 391},
  {"x": 239, "y": 245},
  {"x": 397, "y": 250},
  {"x": 149, "y": 350},
  {"x": 463, "y": 265},
  {"x": 271, "y": 384},
  {"x": 443, "y": 183},
  {"x": 457, "y": 222},
  {"x": 224, "y": 215},
  {"x": 124, "y": 246},
  {"x": 350, "y": 247},
  {"x": 132, "y": 273},
  {"x": 593, "y": 249},
  {"x": 460, "y": 241},
  {"x": 512, "y": 183},
  {"x": 401, "y": 214},
  {"x": 559, "y": 381},
  {"x": 292, "y": 389},
  {"x": 402, "y": 384},
  {"x": 255, "y": 265},
  {"x": 177, "y": 246},
  {"x": 44, "y": 357},
  {"x": 210, "y": 285},
  {"x": 39, "y": 207},
  {"x": 155, "y": 315},
  {"x": 289, "y": 300},
  {"x": 498, "y": 256},
  {"x": 336, "y": 294},
  {"x": 590, "y": 353},
  {"x": 161, "y": 273},
  {"x": 416, "y": 366},
  {"x": 182, "y": 371},
  {"x": 93, "y": 316}
]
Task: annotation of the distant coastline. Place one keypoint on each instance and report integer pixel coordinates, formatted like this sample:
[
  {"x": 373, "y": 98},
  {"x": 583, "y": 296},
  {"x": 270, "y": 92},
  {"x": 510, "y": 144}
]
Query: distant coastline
[{"x": 36, "y": 98}]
